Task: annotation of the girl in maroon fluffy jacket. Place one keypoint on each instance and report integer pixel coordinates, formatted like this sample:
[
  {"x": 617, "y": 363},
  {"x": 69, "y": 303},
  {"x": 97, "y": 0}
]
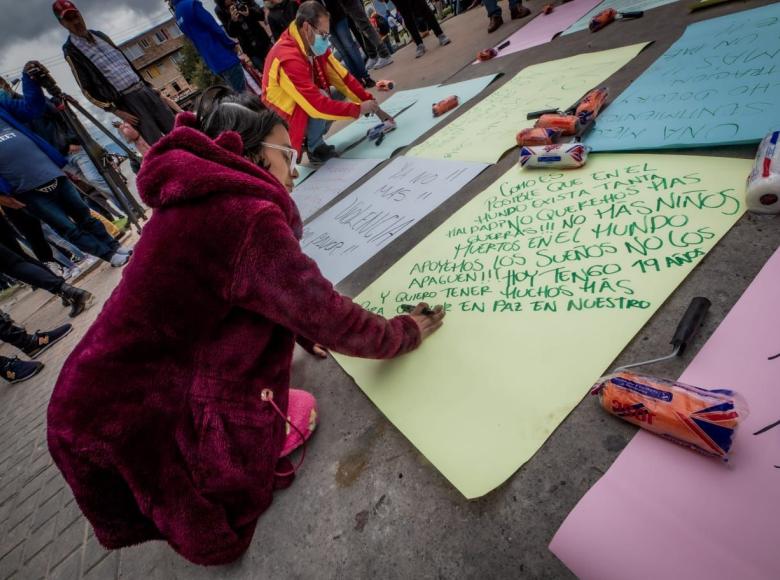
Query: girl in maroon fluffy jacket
[{"x": 168, "y": 420}]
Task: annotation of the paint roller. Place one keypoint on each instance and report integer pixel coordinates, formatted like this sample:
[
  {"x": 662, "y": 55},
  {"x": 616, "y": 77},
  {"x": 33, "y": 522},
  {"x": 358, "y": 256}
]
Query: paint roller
[{"x": 703, "y": 420}]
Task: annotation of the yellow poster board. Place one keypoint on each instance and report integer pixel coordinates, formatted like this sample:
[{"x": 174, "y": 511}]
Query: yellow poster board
[
  {"x": 488, "y": 129},
  {"x": 546, "y": 276}
]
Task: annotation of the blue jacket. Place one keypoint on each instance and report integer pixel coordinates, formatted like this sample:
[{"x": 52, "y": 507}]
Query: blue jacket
[
  {"x": 211, "y": 41},
  {"x": 15, "y": 112}
]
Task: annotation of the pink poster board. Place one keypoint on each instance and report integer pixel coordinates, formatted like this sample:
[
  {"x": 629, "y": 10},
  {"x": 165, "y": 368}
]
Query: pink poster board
[
  {"x": 544, "y": 27},
  {"x": 662, "y": 511}
]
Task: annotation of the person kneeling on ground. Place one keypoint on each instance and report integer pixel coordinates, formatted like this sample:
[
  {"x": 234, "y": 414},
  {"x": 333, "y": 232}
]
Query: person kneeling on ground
[
  {"x": 299, "y": 72},
  {"x": 187, "y": 444}
]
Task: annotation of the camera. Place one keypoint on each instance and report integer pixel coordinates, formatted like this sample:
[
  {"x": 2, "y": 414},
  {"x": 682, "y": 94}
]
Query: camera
[
  {"x": 41, "y": 75},
  {"x": 240, "y": 5}
]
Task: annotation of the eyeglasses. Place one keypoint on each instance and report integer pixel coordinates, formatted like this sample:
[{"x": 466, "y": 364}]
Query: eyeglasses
[
  {"x": 290, "y": 153},
  {"x": 325, "y": 35}
]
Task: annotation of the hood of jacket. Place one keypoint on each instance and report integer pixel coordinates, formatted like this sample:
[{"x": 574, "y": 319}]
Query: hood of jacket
[{"x": 187, "y": 165}]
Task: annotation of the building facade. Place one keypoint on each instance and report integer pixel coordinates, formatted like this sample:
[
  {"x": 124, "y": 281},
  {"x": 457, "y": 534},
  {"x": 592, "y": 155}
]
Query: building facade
[{"x": 156, "y": 54}]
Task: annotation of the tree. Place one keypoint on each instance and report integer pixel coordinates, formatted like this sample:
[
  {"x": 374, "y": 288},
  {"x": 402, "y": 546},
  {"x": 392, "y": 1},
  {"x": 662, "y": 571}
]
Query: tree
[{"x": 194, "y": 69}]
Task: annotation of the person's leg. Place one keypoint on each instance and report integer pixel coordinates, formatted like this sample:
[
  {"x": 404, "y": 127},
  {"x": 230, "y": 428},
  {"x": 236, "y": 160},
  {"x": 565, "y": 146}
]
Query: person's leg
[
  {"x": 155, "y": 118},
  {"x": 32, "y": 230},
  {"x": 8, "y": 236},
  {"x": 405, "y": 9},
  {"x": 29, "y": 271},
  {"x": 48, "y": 207},
  {"x": 315, "y": 133},
  {"x": 70, "y": 201},
  {"x": 88, "y": 169},
  {"x": 491, "y": 7},
  {"x": 234, "y": 77},
  {"x": 342, "y": 39},
  {"x": 14, "y": 334},
  {"x": 422, "y": 8},
  {"x": 357, "y": 13}
]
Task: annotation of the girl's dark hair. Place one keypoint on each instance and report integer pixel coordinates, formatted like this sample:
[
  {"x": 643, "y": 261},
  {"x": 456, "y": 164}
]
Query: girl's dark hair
[{"x": 220, "y": 109}]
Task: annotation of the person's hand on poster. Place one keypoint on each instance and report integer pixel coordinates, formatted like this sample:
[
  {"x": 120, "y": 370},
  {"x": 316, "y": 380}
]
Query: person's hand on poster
[
  {"x": 387, "y": 119},
  {"x": 369, "y": 107},
  {"x": 428, "y": 319}
]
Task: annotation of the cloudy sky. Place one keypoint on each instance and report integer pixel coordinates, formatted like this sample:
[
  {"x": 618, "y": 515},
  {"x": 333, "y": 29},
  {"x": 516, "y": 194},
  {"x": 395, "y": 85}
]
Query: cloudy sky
[{"x": 30, "y": 31}]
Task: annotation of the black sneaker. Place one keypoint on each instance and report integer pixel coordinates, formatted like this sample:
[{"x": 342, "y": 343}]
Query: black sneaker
[
  {"x": 44, "y": 340},
  {"x": 16, "y": 371},
  {"x": 322, "y": 153},
  {"x": 369, "y": 83}
]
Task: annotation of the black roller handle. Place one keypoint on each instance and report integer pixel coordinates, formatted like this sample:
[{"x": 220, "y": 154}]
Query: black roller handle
[
  {"x": 537, "y": 114},
  {"x": 690, "y": 323},
  {"x": 635, "y": 14}
]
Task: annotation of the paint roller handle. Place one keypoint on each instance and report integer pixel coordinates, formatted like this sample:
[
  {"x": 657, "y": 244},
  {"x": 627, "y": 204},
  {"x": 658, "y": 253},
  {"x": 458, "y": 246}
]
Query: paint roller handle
[
  {"x": 537, "y": 114},
  {"x": 690, "y": 323},
  {"x": 635, "y": 14}
]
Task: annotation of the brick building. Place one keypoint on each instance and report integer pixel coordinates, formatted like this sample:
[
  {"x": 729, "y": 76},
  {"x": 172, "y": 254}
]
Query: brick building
[{"x": 156, "y": 54}]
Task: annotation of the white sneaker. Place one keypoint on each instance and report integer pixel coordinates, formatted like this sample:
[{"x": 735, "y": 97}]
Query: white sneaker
[
  {"x": 57, "y": 269},
  {"x": 124, "y": 251},
  {"x": 370, "y": 63},
  {"x": 119, "y": 260},
  {"x": 73, "y": 272},
  {"x": 88, "y": 262},
  {"x": 383, "y": 62}
]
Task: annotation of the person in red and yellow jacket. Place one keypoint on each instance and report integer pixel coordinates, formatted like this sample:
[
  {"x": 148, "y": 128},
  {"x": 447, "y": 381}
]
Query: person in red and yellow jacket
[{"x": 299, "y": 73}]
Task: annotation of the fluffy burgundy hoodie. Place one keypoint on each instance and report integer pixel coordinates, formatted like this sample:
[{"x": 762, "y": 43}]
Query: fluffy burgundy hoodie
[{"x": 156, "y": 420}]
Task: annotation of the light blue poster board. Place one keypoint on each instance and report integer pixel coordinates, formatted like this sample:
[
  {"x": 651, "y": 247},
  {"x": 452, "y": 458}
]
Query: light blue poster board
[
  {"x": 358, "y": 128},
  {"x": 414, "y": 121},
  {"x": 620, "y": 6},
  {"x": 304, "y": 171},
  {"x": 718, "y": 84}
]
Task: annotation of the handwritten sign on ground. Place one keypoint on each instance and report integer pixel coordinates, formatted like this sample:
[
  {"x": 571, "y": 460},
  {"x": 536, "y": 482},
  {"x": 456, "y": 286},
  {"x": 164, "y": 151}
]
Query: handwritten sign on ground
[
  {"x": 718, "y": 84},
  {"x": 544, "y": 27},
  {"x": 705, "y": 519},
  {"x": 418, "y": 118},
  {"x": 329, "y": 181},
  {"x": 488, "y": 129},
  {"x": 304, "y": 171},
  {"x": 620, "y": 6},
  {"x": 545, "y": 276},
  {"x": 379, "y": 211}
]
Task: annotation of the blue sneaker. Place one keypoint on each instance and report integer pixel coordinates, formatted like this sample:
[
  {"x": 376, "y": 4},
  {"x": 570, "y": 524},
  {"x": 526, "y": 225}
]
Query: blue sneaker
[{"x": 16, "y": 371}]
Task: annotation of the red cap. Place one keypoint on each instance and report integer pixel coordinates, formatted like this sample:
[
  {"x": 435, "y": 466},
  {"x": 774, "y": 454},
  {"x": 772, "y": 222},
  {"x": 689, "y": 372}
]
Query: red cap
[{"x": 62, "y": 7}]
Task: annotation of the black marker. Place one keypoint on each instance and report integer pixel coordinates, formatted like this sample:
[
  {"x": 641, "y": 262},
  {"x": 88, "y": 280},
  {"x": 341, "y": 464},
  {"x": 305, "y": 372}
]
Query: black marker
[{"x": 409, "y": 308}]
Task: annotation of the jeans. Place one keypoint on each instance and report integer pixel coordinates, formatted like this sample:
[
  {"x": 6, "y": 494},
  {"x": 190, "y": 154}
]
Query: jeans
[
  {"x": 493, "y": 9},
  {"x": 234, "y": 76},
  {"x": 341, "y": 37},
  {"x": 91, "y": 173},
  {"x": 65, "y": 211},
  {"x": 317, "y": 128},
  {"x": 28, "y": 270}
]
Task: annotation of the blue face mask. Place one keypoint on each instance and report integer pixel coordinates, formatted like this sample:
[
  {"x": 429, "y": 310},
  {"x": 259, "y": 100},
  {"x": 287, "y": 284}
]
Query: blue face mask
[{"x": 320, "y": 45}]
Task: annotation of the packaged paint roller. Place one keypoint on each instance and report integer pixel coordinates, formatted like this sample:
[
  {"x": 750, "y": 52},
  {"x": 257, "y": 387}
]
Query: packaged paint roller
[
  {"x": 565, "y": 155},
  {"x": 590, "y": 105},
  {"x": 566, "y": 124},
  {"x": 702, "y": 420},
  {"x": 537, "y": 136},
  {"x": 763, "y": 183}
]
